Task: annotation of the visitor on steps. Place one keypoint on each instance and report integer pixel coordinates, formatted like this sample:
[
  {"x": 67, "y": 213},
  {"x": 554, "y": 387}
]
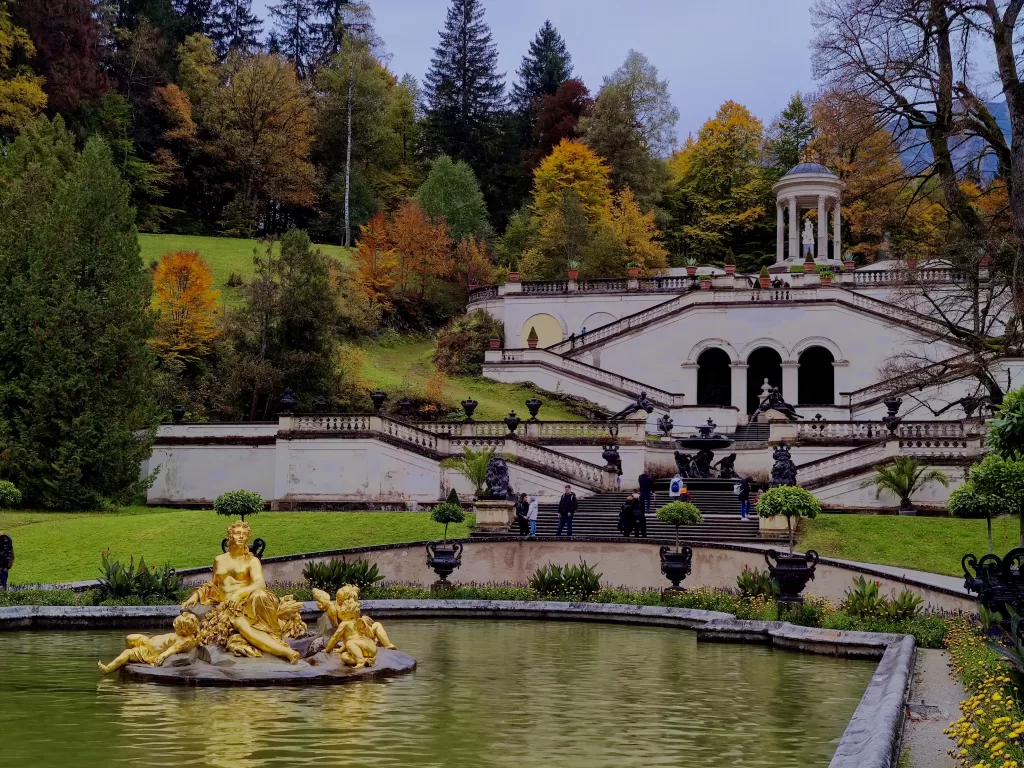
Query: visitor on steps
[
  {"x": 626, "y": 514},
  {"x": 566, "y": 509},
  {"x": 531, "y": 515},
  {"x": 522, "y": 514},
  {"x": 6, "y": 558},
  {"x": 646, "y": 491},
  {"x": 743, "y": 493},
  {"x": 639, "y": 518}
]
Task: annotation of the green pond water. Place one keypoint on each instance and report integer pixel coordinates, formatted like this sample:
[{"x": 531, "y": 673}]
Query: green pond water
[{"x": 486, "y": 693}]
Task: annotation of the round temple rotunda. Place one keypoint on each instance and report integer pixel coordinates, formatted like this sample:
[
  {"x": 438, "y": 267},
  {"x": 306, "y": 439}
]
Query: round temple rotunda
[{"x": 807, "y": 187}]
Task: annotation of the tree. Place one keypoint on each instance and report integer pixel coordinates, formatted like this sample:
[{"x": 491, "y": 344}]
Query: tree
[
  {"x": 679, "y": 513},
  {"x": 473, "y": 466},
  {"x": 66, "y": 38},
  {"x": 1006, "y": 431},
  {"x": 461, "y": 343},
  {"x": 463, "y": 88},
  {"x": 447, "y": 513},
  {"x": 572, "y": 165},
  {"x": 545, "y": 68},
  {"x": 558, "y": 118},
  {"x": 451, "y": 192},
  {"x": 966, "y": 502},
  {"x": 21, "y": 91},
  {"x": 234, "y": 27},
  {"x": 638, "y": 233},
  {"x": 296, "y": 24},
  {"x": 1001, "y": 481},
  {"x": 904, "y": 478},
  {"x": 376, "y": 264},
  {"x": 790, "y": 502},
  {"x": 77, "y": 414},
  {"x": 186, "y": 306},
  {"x": 472, "y": 261},
  {"x": 788, "y": 136},
  {"x": 340, "y": 20},
  {"x": 195, "y": 16},
  {"x": 422, "y": 247}
]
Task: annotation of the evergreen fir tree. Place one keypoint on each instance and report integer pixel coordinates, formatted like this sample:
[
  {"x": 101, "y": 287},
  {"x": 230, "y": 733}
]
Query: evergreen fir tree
[
  {"x": 297, "y": 23},
  {"x": 195, "y": 16},
  {"x": 77, "y": 410},
  {"x": 545, "y": 67},
  {"x": 788, "y": 136},
  {"x": 234, "y": 27},
  {"x": 464, "y": 90}
]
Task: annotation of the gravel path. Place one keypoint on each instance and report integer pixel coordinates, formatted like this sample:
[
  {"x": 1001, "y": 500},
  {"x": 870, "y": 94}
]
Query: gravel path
[{"x": 934, "y": 703}]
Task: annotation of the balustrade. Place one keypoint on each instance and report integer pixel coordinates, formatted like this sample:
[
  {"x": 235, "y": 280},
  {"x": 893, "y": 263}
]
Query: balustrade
[
  {"x": 483, "y": 294},
  {"x": 330, "y": 423},
  {"x": 865, "y": 454},
  {"x": 811, "y": 431}
]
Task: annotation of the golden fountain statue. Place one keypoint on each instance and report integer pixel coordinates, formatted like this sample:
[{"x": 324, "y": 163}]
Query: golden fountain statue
[{"x": 248, "y": 620}]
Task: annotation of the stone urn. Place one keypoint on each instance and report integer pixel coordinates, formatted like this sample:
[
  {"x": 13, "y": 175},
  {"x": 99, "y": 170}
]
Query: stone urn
[
  {"x": 178, "y": 413},
  {"x": 730, "y": 269},
  {"x": 494, "y": 343},
  {"x": 676, "y": 565},
  {"x": 791, "y": 573},
  {"x": 533, "y": 406},
  {"x": 469, "y": 406},
  {"x": 444, "y": 558},
  {"x": 378, "y": 397}
]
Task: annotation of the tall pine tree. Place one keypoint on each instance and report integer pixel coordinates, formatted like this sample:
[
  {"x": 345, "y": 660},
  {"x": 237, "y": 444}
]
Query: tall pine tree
[
  {"x": 788, "y": 136},
  {"x": 464, "y": 90},
  {"x": 297, "y": 23},
  {"x": 234, "y": 27},
  {"x": 544, "y": 68},
  {"x": 77, "y": 411},
  {"x": 195, "y": 16}
]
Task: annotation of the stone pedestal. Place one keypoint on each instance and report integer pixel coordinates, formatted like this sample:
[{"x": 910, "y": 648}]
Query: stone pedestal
[
  {"x": 771, "y": 527},
  {"x": 493, "y": 517}
]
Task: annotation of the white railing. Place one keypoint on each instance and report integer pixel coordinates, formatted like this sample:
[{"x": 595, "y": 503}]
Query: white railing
[
  {"x": 899, "y": 276},
  {"x": 590, "y": 430},
  {"x": 407, "y": 433},
  {"x": 548, "y": 286},
  {"x": 483, "y": 293},
  {"x": 318, "y": 422},
  {"x": 830, "y": 465},
  {"x": 567, "y": 466},
  {"x": 865, "y": 431},
  {"x": 469, "y": 428}
]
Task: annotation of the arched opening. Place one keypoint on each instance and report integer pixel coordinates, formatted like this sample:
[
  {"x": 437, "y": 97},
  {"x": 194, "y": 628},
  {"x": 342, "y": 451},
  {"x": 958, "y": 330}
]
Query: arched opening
[
  {"x": 817, "y": 377},
  {"x": 763, "y": 363},
  {"x": 714, "y": 379},
  {"x": 547, "y": 328}
]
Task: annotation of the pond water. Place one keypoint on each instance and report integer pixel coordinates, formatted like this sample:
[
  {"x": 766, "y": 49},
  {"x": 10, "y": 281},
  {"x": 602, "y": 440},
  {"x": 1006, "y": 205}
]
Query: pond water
[{"x": 486, "y": 693}]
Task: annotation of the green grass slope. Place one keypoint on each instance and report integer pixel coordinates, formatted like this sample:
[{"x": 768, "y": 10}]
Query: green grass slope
[{"x": 56, "y": 547}]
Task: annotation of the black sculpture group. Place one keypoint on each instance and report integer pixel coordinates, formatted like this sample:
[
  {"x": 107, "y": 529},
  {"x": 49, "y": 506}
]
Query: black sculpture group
[
  {"x": 774, "y": 402},
  {"x": 783, "y": 470},
  {"x": 642, "y": 403},
  {"x": 498, "y": 484},
  {"x": 702, "y": 464},
  {"x": 998, "y": 582}
]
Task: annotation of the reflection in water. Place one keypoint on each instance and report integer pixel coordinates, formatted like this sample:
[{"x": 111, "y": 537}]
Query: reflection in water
[{"x": 487, "y": 693}]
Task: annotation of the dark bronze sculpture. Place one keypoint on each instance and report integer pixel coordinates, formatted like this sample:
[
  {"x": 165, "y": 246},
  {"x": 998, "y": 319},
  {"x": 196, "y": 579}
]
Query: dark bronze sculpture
[
  {"x": 727, "y": 467},
  {"x": 684, "y": 463},
  {"x": 784, "y": 470},
  {"x": 643, "y": 403},
  {"x": 498, "y": 484},
  {"x": 774, "y": 402}
]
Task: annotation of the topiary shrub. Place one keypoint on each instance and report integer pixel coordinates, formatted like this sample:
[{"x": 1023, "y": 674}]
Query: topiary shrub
[
  {"x": 788, "y": 501},
  {"x": 10, "y": 496},
  {"x": 238, "y": 504},
  {"x": 461, "y": 343},
  {"x": 966, "y": 502},
  {"x": 679, "y": 513},
  {"x": 447, "y": 513}
]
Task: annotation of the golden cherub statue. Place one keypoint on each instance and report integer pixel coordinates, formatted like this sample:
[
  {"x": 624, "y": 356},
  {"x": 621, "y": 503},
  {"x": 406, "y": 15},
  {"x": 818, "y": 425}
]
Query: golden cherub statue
[
  {"x": 356, "y": 636},
  {"x": 247, "y": 618},
  {"x": 156, "y": 650}
]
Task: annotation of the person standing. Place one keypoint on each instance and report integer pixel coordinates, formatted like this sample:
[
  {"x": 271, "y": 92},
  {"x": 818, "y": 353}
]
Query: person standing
[
  {"x": 6, "y": 558},
  {"x": 566, "y": 510},
  {"x": 522, "y": 514},
  {"x": 626, "y": 513},
  {"x": 532, "y": 513},
  {"x": 646, "y": 491},
  {"x": 639, "y": 518},
  {"x": 744, "y": 497}
]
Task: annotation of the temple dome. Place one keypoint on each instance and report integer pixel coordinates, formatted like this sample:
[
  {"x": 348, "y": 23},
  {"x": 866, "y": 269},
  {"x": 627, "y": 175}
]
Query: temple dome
[{"x": 803, "y": 168}]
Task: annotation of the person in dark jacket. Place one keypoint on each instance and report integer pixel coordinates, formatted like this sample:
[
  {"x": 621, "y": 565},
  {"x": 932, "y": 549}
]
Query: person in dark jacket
[
  {"x": 522, "y": 514},
  {"x": 566, "y": 510},
  {"x": 626, "y": 513},
  {"x": 6, "y": 558},
  {"x": 646, "y": 492},
  {"x": 744, "y": 497},
  {"x": 639, "y": 518}
]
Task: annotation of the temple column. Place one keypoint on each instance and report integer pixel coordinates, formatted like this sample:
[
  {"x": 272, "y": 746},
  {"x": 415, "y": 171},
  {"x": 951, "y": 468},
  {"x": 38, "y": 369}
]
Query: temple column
[
  {"x": 822, "y": 229},
  {"x": 794, "y": 231},
  {"x": 837, "y": 225},
  {"x": 790, "y": 381},
  {"x": 780, "y": 234},
  {"x": 738, "y": 372},
  {"x": 688, "y": 381}
]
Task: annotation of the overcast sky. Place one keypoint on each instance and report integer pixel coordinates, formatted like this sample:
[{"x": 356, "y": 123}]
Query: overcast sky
[{"x": 750, "y": 51}]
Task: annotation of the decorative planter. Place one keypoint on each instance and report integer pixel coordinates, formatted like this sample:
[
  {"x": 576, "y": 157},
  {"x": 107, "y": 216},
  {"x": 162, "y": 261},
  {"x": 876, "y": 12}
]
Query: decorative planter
[
  {"x": 513, "y": 276},
  {"x": 791, "y": 573},
  {"x": 705, "y": 285},
  {"x": 985, "y": 261},
  {"x": 178, "y": 413},
  {"x": 532, "y": 343},
  {"x": 473, "y": 284},
  {"x": 691, "y": 271},
  {"x": 378, "y": 397},
  {"x": 404, "y": 405},
  {"x": 849, "y": 266},
  {"x": 495, "y": 343},
  {"x": 533, "y": 406},
  {"x": 287, "y": 402},
  {"x": 633, "y": 272},
  {"x": 469, "y": 406},
  {"x": 574, "y": 274},
  {"x": 730, "y": 269},
  {"x": 766, "y": 282},
  {"x": 512, "y": 422},
  {"x": 826, "y": 281},
  {"x": 911, "y": 264},
  {"x": 444, "y": 559},
  {"x": 676, "y": 565}
]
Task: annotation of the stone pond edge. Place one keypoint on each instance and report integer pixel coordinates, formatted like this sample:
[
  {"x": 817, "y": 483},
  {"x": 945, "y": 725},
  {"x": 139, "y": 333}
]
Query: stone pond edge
[{"x": 871, "y": 738}]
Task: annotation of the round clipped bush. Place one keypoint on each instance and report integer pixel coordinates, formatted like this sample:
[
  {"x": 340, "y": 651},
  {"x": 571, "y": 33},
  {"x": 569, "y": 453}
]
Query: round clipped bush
[
  {"x": 679, "y": 513},
  {"x": 788, "y": 501},
  {"x": 10, "y": 496},
  {"x": 238, "y": 504},
  {"x": 446, "y": 514}
]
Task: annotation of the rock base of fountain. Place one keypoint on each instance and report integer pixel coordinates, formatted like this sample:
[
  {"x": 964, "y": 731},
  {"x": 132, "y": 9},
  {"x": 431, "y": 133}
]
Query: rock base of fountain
[{"x": 211, "y": 666}]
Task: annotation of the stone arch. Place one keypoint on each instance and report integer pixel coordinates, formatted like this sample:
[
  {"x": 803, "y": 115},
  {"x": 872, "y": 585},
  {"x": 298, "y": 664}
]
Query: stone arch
[
  {"x": 550, "y": 330},
  {"x": 597, "y": 319},
  {"x": 714, "y": 377},
  {"x": 816, "y": 341},
  {"x": 763, "y": 362},
  {"x": 701, "y": 346},
  {"x": 763, "y": 342},
  {"x": 816, "y": 378}
]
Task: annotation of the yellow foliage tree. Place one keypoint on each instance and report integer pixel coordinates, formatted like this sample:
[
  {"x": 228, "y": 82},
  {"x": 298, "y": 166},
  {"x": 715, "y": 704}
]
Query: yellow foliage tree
[
  {"x": 638, "y": 233},
  {"x": 376, "y": 263},
  {"x": 472, "y": 261},
  {"x": 21, "y": 91},
  {"x": 186, "y": 305},
  {"x": 572, "y": 165}
]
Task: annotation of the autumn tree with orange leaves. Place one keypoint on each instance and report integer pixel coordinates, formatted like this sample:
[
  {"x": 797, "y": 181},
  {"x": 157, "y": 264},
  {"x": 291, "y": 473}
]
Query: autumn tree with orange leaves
[
  {"x": 376, "y": 266},
  {"x": 188, "y": 315},
  {"x": 422, "y": 248}
]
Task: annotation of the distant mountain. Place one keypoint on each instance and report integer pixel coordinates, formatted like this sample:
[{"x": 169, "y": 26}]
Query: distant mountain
[{"x": 965, "y": 151}]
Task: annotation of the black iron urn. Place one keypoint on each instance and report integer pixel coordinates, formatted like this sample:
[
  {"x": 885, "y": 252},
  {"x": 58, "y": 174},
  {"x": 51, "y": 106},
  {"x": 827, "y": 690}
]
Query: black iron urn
[
  {"x": 533, "y": 406},
  {"x": 676, "y": 565},
  {"x": 178, "y": 413},
  {"x": 378, "y": 397},
  {"x": 469, "y": 406},
  {"x": 444, "y": 559},
  {"x": 791, "y": 573}
]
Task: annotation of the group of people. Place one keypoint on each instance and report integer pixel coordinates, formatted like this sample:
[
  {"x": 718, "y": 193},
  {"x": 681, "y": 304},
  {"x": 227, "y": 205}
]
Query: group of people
[{"x": 526, "y": 515}]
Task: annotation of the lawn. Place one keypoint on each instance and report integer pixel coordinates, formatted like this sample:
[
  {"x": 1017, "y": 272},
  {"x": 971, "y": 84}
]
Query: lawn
[
  {"x": 403, "y": 365},
  {"x": 56, "y": 547},
  {"x": 933, "y": 544},
  {"x": 224, "y": 255}
]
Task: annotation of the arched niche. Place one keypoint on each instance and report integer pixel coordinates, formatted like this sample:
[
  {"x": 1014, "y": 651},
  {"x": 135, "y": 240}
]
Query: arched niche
[
  {"x": 763, "y": 363},
  {"x": 817, "y": 377},
  {"x": 548, "y": 327},
  {"x": 598, "y": 319},
  {"x": 714, "y": 378}
]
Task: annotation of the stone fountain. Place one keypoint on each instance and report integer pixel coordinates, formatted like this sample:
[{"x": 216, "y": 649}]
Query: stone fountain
[{"x": 705, "y": 443}]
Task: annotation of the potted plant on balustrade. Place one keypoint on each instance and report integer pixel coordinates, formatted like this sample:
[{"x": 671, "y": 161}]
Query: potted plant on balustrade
[
  {"x": 691, "y": 267},
  {"x": 730, "y": 263},
  {"x": 903, "y": 478},
  {"x": 236, "y": 505},
  {"x": 677, "y": 565},
  {"x": 441, "y": 557},
  {"x": 574, "y": 269},
  {"x": 797, "y": 272},
  {"x": 705, "y": 282},
  {"x": 848, "y": 262},
  {"x": 764, "y": 278},
  {"x": 825, "y": 274},
  {"x": 633, "y": 269},
  {"x": 791, "y": 572},
  {"x": 532, "y": 338},
  {"x": 513, "y": 274}
]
